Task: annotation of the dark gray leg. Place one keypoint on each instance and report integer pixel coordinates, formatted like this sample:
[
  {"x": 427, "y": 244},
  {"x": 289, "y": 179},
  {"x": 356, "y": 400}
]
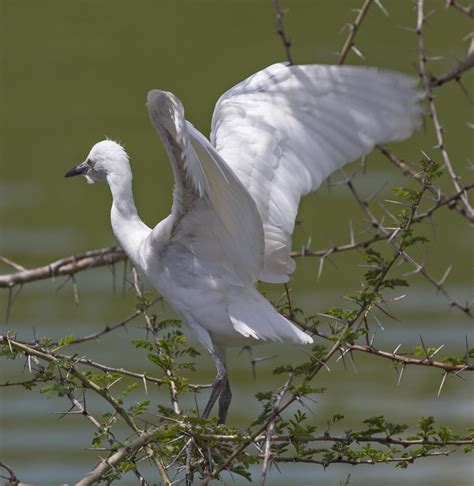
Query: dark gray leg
[
  {"x": 224, "y": 402},
  {"x": 220, "y": 389}
]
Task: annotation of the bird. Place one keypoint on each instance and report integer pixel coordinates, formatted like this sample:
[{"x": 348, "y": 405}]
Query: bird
[{"x": 274, "y": 138}]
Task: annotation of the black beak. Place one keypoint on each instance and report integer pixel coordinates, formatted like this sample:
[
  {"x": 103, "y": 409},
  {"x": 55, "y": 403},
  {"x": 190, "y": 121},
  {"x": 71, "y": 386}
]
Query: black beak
[{"x": 78, "y": 170}]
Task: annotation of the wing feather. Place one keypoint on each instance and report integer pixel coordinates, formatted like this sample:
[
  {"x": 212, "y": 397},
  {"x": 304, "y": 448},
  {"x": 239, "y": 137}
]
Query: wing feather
[
  {"x": 212, "y": 215},
  {"x": 287, "y": 128}
]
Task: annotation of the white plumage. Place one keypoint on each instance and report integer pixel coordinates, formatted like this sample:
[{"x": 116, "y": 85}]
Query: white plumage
[
  {"x": 275, "y": 137},
  {"x": 285, "y": 129}
]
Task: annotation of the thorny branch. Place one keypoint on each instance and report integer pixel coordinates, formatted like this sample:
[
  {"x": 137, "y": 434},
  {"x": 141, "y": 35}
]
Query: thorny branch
[
  {"x": 110, "y": 328},
  {"x": 382, "y": 233},
  {"x": 264, "y": 435},
  {"x": 91, "y": 385},
  {"x": 395, "y": 356},
  {"x": 116, "y": 254},
  {"x": 335, "y": 438},
  {"x": 468, "y": 10},
  {"x": 33, "y": 349},
  {"x": 433, "y": 111},
  {"x": 374, "y": 222},
  {"x": 356, "y": 462},
  {"x": 363, "y": 310},
  {"x": 353, "y": 29},
  {"x": 152, "y": 330},
  {"x": 455, "y": 74},
  {"x": 441, "y": 199},
  {"x": 70, "y": 368},
  {"x": 267, "y": 451},
  {"x": 340, "y": 343},
  {"x": 11, "y": 263},
  {"x": 279, "y": 14},
  {"x": 117, "y": 457},
  {"x": 65, "y": 266},
  {"x": 150, "y": 436}
]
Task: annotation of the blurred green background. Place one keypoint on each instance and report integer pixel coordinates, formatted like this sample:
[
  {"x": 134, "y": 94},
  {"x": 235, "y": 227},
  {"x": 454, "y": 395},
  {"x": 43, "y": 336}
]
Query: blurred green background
[{"x": 74, "y": 72}]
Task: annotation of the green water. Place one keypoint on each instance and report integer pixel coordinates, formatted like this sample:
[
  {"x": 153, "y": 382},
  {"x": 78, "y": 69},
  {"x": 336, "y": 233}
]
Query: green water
[{"x": 73, "y": 72}]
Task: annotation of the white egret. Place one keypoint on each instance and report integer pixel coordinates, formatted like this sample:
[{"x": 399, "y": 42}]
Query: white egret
[{"x": 275, "y": 137}]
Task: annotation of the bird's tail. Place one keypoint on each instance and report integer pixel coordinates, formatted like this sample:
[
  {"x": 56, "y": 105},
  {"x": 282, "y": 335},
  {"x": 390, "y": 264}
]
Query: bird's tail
[{"x": 253, "y": 316}]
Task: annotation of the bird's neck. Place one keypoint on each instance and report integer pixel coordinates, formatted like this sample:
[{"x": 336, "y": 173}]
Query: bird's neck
[{"x": 128, "y": 228}]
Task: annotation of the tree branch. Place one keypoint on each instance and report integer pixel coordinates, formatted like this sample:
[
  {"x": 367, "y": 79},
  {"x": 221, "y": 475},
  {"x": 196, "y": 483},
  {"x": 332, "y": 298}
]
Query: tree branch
[
  {"x": 354, "y": 27},
  {"x": 454, "y": 74},
  {"x": 89, "y": 384},
  {"x": 433, "y": 111},
  {"x": 358, "y": 462},
  {"x": 281, "y": 30},
  {"x": 465, "y": 9},
  {"x": 338, "y": 438},
  {"x": 268, "y": 437},
  {"x": 66, "y": 266},
  {"x": 393, "y": 356},
  {"x": 117, "y": 457},
  {"x": 31, "y": 349}
]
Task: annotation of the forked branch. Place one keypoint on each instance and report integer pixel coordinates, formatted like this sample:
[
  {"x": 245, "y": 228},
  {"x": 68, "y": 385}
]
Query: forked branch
[{"x": 65, "y": 266}]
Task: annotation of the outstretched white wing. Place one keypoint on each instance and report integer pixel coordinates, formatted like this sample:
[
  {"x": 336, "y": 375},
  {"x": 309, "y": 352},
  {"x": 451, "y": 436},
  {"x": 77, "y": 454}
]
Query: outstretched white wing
[
  {"x": 286, "y": 128},
  {"x": 213, "y": 216}
]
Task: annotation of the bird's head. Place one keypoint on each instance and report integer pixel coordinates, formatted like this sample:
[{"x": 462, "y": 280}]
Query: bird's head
[{"x": 106, "y": 158}]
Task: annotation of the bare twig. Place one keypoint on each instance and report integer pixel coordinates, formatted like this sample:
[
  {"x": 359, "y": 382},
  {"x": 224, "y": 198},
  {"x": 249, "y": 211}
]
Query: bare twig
[
  {"x": 465, "y": 9},
  {"x": 339, "y": 248},
  {"x": 454, "y": 74},
  {"x": 109, "y": 328},
  {"x": 117, "y": 457},
  {"x": 408, "y": 360},
  {"x": 12, "y": 264},
  {"x": 173, "y": 394},
  {"x": 433, "y": 111},
  {"x": 12, "y": 479},
  {"x": 354, "y": 27},
  {"x": 446, "y": 201},
  {"x": 66, "y": 266},
  {"x": 403, "y": 359},
  {"x": 357, "y": 462},
  {"x": 281, "y": 30},
  {"x": 268, "y": 439}
]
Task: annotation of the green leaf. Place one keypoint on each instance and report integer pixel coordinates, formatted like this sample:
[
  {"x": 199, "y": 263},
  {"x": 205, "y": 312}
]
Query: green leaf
[
  {"x": 426, "y": 425},
  {"x": 66, "y": 341},
  {"x": 141, "y": 343}
]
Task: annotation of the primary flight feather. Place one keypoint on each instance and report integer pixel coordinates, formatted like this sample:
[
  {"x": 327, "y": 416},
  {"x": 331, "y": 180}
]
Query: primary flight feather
[{"x": 275, "y": 137}]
